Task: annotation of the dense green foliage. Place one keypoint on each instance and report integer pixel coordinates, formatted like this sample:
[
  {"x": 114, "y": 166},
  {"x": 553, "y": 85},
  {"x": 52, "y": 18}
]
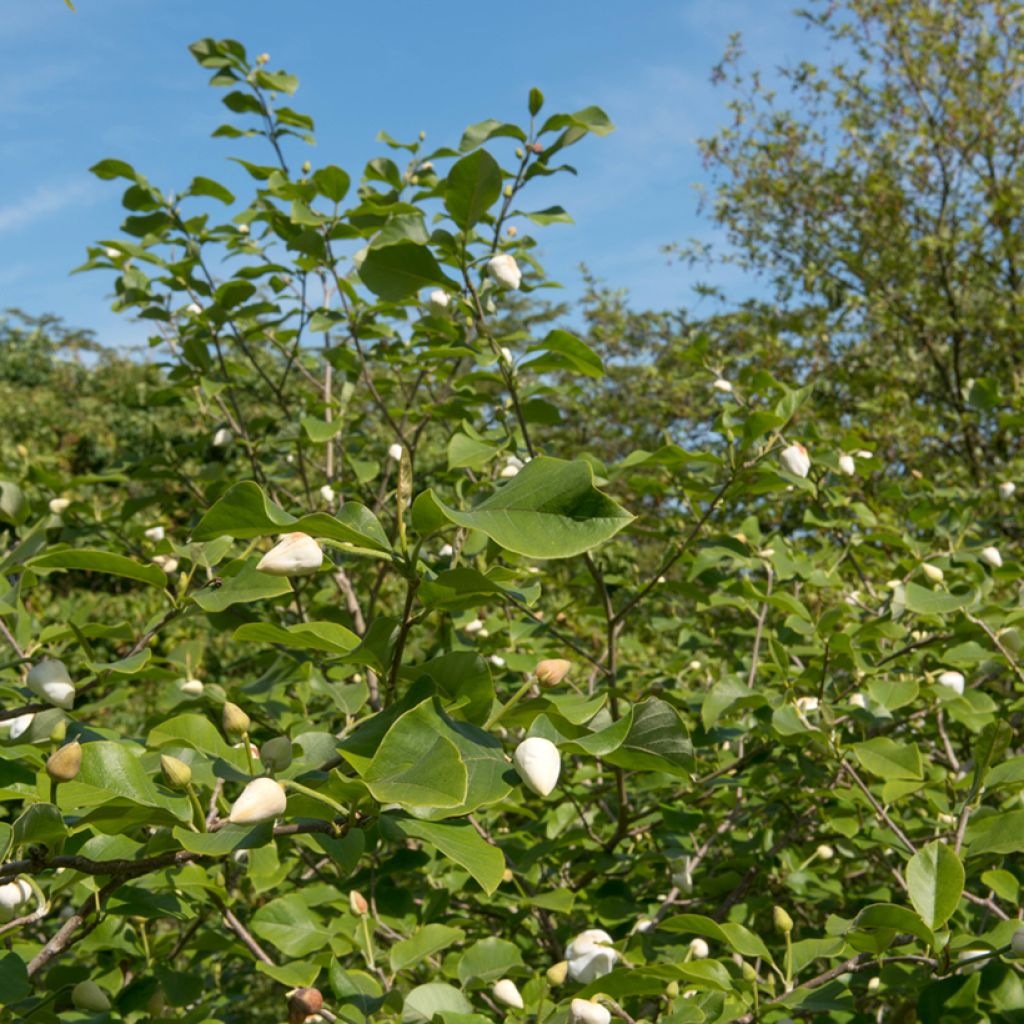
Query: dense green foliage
[{"x": 790, "y": 774}]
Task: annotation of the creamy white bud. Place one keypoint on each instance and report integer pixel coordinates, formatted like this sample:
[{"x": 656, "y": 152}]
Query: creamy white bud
[
  {"x": 243, "y": 229},
  {"x": 858, "y": 700},
  {"x": 446, "y": 551},
  {"x": 699, "y": 949},
  {"x": 497, "y": 661},
  {"x": 952, "y": 680},
  {"x": 193, "y": 309},
  {"x": 395, "y": 452},
  {"x": 643, "y": 924},
  {"x": 863, "y": 453},
  {"x": 155, "y": 534},
  {"x": 296, "y": 554},
  {"x": 12, "y": 896},
  {"x": 505, "y": 991},
  {"x": 721, "y": 384},
  {"x": 473, "y": 626},
  {"x": 504, "y": 269},
  {"x": 583, "y": 1011},
  {"x": 796, "y": 460},
  {"x": 50, "y": 680},
  {"x": 261, "y": 800},
  {"x": 874, "y": 984},
  {"x": 694, "y": 666},
  {"x": 538, "y": 763},
  {"x": 825, "y": 852},
  {"x": 57, "y": 505},
  {"x": 846, "y": 464},
  {"x": 439, "y": 301},
  {"x": 506, "y": 355},
  {"x": 933, "y": 572},
  {"x": 327, "y": 493},
  {"x": 222, "y": 437},
  {"x": 511, "y": 468},
  {"x": 992, "y": 556},
  {"x": 805, "y": 705},
  {"x": 191, "y": 687},
  {"x": 426, "y": 167},
  {"x": 112, "y": 254},
  {"x": 1006, "y": 489},
  {"x": 168, "y": 563},
  {"x": 591, "y": 956}
]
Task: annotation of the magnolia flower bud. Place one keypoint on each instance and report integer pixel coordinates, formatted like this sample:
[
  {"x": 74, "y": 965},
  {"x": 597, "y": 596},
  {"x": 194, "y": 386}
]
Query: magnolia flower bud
[
  {"x": 276, "y": 754},
  {"x": 57, "y": 505},
  {"x": 177, "y": 773},
  {"x": 296, "y": 554},
  {"x": 505, "y": 991},
  {"x": 15, "y": 727},
  {"x": 591, "y": 956},
  {"x": 395, "y": 452},
  {"x": 154, "y": 533},
  {"x": 512, "y": 230},
  {"x": 261, "y": 800},
  {"x": 505, "y": 271},
  {"x": 235, "y": 720},
  {"x": 556, "y": 972},
  {"x": 87, "y": 995},
  {"x": 446, "y": 551},
  {"x": 222, "y": 437},
  {"x": 191, "y": 687},
  {"x": 874, "y": 984},
  {"x": 952, "y": 680},
  {"x": 796, "y": 460},
  {"x": 168, "y": 563},
  {"x": 805, "y": 705},
  {"x": 721, "y": 384},
  {"x": 846, "y": 464},
  {"x": 1017, "y": 942},
  {"x": 111, "y": 253},
  {"x": 992, "y": 556},
  {"x": 1006, "y": 489},
  {"x": 858, "y": 700},
  {"x": 512, "y": 467},
  {"x": 783, "y": 922},
  {"x": 473, "y": 626},
  {"x": 58, "y": 732},
  {"x": 643, "y": 924},
  {"x": 825, "y": 852},
  {"x": 63, "y": 764},
  {"x": 357, "y": 903},
  {"x": 263, "y": 58},
  {"x": 306, "y": 167},
  {"x": 538, "y": 763},
  {"x": 699, "y": 949},
  {"x": 303, "y": 1003},
  {"x": 50, "y": 680},
  {"x": 551, "y": 671},
  {"x": 12, "y": 896},
  {"x": 243, "y": 229},
  {"x": 439, "y": 301},
  {"x": 933, "y": 572},
  {"x": 193, "y": 309},
  {"x": 327, "y": 493},
  {"x": 583, "y": 1011}
]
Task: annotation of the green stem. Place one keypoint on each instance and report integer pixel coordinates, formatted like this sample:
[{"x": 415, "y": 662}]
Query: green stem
[
  {"x": 53, "y": 790},
  {"x": 513, "y": 700},
  {"x": 197, "y": 808},
  {"x": 789, "y": 961},
  {"x": 369, "y": 942},
  {"x": 248, "y": 753},
  {"x": 300, "y": 788}
]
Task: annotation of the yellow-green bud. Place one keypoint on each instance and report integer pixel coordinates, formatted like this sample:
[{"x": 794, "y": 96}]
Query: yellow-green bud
[
  {"x": 519, "y": 152},
  {"x": 177, "y": 773},
  {"x": 60, "y": 730},
  {"x": 672, "y": 990},
  {"x": 783, "y": 922},
  {"x": 506, "y": 875},
  {"x": 235, "y": 720},
  {"x": 508, "y": 191},
  {"x": 276, "y": 754},
  {"x": 63, "y": 765},
  {"x": 306, "y": 167},
  {"x": 749, "y": 974},
  {"x": 556, "y": 973},
  {"x": 357, "y": 903},
  {"x": 87, "y": 995}
]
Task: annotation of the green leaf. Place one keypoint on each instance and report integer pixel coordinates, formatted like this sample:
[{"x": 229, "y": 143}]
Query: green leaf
[
  {"x": 14, "y": 983},
  {"x": 459, "y": 842},
  {"x": 314, "y": 636},
  {"x": 425, "y": 941},
  {"x": 394, "y": 272},
  {"x": 888, "y": 759},
  {"x": 996, "y": 833},
  {"x": 891, "y": 920},
  {"x": 40, "y": 824},
  {"x": 564, "y": 351},
  {"x": 89, "y": 560},
  {"x": 935, "y": 881},
  {"x": 489, "y": 959},
  {"x": 472, "y": 188},
  {"x": 425, "y": 1001},
  {"x": 209, "y": 187},
  {"x": 331, "y": 182},
  {"x": 244, "y": 587},
  {"x": 550, "y": 509},
  {"x": 925, "y": 601},
  {"x": 657, "y": 740},
  {"x": 290, "y": 925},
  {"x": 593, "y": 119}
]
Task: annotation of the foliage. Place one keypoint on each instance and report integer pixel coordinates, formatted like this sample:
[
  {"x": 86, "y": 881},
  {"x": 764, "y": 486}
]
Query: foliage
[{"x": 789, "y": 783}]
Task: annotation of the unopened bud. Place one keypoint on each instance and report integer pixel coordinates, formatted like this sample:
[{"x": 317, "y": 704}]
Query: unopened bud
[
  {"x": 177, "y": 773},
  {"x": 63, "y": 765},
  {"x": 87, "y": 995},
  {"x": 551, "y": 671},
  {"x": 306, "y": 167},
  {"x": 263, "y": 58},
  {"x": 59, "y": 731},
  {"x": 303, "y": 1003},
  {"x": 519, "y": 152},
  {"x": 276, "y": 754},
  {"x": 535, "y": 147},
  {"x": 933, "y": 572},
  {"x": 357, "y": 903},
  {"x": 508, "y": 191},
  {"x": 235, "y": 720},
  {"x": 783, "y": 922},
  {"x": 506, "y": 875},
  {"x": 672, "y": 990},
  {"x": 512, "y": 231},
  {"x": 556, "y": 973},
  {"x": 825, "y": 852}
]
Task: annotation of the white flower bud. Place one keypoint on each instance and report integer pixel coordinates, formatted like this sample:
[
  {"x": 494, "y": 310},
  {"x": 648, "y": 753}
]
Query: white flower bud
[
  {"x": 846, "y": 464},
  {"x": 805, "y": 705},
  {"x": 222, "y": 438},
  {"x": 643, "y": 925},
  {"x": 796, "y": 460},
  {"x": 874, "y": 984},
  {"x": 863, "y": 453},
  {"x": 87, "y": 995},
  {"x": 721, "y": 384},
  {"x": 952, "y": 680},
  {"x": 506, "y": 355},
  {"x": 473, "y": 626},
  {"x": 992, "y": 556},
  {"x": 538, "y": 764},
  {"x": 825, "y": 852},
  {"x": 193, "y": 309},
  {"x": 933, "y": 572},
  {"x": 446, "y": 551},
  {"x": 191, "y": 687},
  {"x": 590, "y": 956},
  {"x": 57, "y": 505},
  {"x": 261, "y": 800},
  {"x": 583, "y": 1011},
  {"x": 327, "y": 493},
  {"x": 439, "y": 301},
  {"x": 155, "y": 534},
  {"x": 699, "y": 949},
  {"x": 497, "y": 661},
  {"x": 50, "y": 680},
  {"x": 858, "y": 700},
  {"x": 15, "y": 727},
  {"x": 512, "y": 466},
  {"x": 505, "y": 991},
  {"x": 395, "y": 452},
  {"x": 168, "y": 563},
  {"x": 426, "y": 167},
  {"x": 504, "y": 269},
  {"x": 296, "y": 554},
  {"x": 12, "y": 896},
  {"x": 112, "y": 254},
  {"x": 1006, "y": 489},
  {"x": 243, "y": 229}
]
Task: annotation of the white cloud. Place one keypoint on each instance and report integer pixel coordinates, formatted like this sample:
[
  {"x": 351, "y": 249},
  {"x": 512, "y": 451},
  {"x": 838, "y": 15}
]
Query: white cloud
[{"x": 44, "y": 202}]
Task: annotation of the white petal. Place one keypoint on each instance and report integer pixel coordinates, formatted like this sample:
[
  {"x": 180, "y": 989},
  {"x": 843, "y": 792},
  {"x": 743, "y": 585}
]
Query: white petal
[
  {"x": 538, "y": 763},
  {"x": 261, "y": 800}
]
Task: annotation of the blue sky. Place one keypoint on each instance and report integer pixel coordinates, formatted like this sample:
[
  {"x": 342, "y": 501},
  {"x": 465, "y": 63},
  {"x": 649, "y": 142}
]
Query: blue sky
[{"x": 115, "y": 79}]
